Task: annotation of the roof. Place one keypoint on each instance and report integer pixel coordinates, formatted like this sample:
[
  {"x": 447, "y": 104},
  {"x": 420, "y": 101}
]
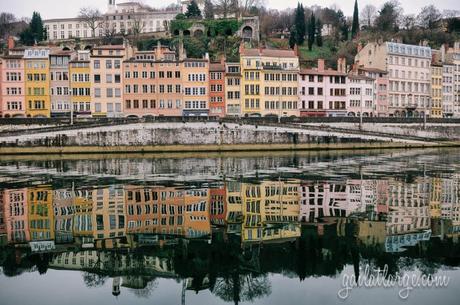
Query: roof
[
  {"x": 109, "y": 47},
  {"x": 361, "y": 77},
  {"x": 60, "y": 52},
  {"x": 374, "y": 70},
  {"x": 328, "y": 72},
  {"x": 268, "y": 52},
  {"x": 217, "y": 67},
  {"x": 63, "y": 19},
  {"x": 13, "y": 56}
]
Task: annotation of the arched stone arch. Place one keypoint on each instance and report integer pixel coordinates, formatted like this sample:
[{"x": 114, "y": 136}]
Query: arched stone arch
[
  {"x": 198, "y": 33},
  {"x": 186, "y": 33},
  {"x": 247, "y": 32}
]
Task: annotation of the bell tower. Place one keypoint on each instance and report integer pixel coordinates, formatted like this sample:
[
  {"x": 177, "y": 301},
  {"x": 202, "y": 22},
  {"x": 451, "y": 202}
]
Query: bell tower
[{"x": 111, "y": 6}]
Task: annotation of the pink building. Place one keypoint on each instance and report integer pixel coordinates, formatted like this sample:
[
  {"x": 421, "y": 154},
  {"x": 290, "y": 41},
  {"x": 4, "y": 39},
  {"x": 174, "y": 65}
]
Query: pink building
[
  {"x": 16, "y": 215},
  {"x": 12, "y": 88},
  {"x": 380, "y": 89},
  {"x": 106, "y": 70},
  {"x": 152, "y": 84},
  {"x": 323, "y": 91}
]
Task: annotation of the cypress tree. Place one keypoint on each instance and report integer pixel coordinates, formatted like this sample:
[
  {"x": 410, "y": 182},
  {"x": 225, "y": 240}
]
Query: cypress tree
[
  {"x": 299, "y": 24},
  {"x": 35, "y": 32},
  {"x": 311, "y": 31},
  {"x": 319, "y": 37},
  {"x": 355, "y": 24}
]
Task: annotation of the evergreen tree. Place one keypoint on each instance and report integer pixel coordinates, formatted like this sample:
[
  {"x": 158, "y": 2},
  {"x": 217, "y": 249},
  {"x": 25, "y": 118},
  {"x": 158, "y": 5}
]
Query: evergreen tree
[
  {"x": 208, "y": 10},
  {"x": 311, "y": 31},
  {"x": 343, "y": 25},
  {"x": 35, "y": 32},
  {"x": 36, "y": 26},
  {"x": 355, "y": 24},
  {"x": 193, "y": 11},
  {"x": 299, "y": 24},
  {"x": 293, "y": 37},
  {"x": 319, "y": 37}
]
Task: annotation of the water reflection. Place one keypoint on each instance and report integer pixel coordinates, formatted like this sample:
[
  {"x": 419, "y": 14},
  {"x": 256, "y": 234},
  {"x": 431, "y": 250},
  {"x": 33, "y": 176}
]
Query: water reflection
[{"x": 226, "y": 236}]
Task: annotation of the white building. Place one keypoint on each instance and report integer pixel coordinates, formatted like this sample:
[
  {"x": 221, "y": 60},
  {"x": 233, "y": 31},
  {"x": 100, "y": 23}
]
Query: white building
[
  {"x": 360, "y": 96},
  {"x": 122, "y": 18}
]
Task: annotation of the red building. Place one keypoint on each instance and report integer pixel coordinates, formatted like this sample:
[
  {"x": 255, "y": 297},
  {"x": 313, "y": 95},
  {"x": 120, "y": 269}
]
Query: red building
[{"x": 217, "y": 89}]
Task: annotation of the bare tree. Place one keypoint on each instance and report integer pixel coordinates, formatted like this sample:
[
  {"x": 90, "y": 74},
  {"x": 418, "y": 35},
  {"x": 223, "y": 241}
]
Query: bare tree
[
  {"x": 225, "y": 8},
  {"x": 6, "y": 23},
  {"x": 368, "y": 14},
  {"x": 408, "y": 22},
  {"x": 138, "y": 27},
  {"x": 92, "y": 17},
  {"x": 430, "y": 17},
  {"x": 244, "y": 6}
]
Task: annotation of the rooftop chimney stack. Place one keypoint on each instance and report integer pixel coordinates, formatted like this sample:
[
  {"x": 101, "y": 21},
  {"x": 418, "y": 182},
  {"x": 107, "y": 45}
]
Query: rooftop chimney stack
[
  {"x": 320, "y": 65},
  {"x": 11, "y": 42}
]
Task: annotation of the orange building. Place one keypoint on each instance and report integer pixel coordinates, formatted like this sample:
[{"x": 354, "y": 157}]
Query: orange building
[
  {"x": 152, "y": 84},
  {"x": 217, "y": 89},
  {"x": 218, "y": 205}
]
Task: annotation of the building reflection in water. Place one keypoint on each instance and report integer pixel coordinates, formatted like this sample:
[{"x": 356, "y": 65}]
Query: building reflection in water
[{"x": 227, "y": 236}]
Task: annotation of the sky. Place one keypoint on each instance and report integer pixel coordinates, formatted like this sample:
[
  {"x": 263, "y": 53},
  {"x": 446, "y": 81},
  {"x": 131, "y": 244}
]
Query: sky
[{"x": 69, "y": 8}]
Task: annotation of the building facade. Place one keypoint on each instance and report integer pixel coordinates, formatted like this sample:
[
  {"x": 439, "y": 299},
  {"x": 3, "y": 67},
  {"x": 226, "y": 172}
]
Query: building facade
[
  {"x": 269, "y": 82},
  {"x": 106, "y": 71},
  {"x": 323, "y": 91},
  {"x": 360, "y": 94},
  {"x": 80, "y": 83},
  {"x": 232, "y": 89},
  {"x": 37, "y": 82},
  {"x": 409, "y": 71},
  {"x": 195, "y": 83},
  {"x": 436, "y": 89},
  {"x": 12, "y": 88},
  {"x": 217, "y": 89},
  {"x": 153, "y": 84},
  {"x": 60, "y": 93}
]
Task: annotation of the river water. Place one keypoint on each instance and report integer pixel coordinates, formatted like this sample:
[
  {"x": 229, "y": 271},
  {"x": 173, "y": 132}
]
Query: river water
[{"x": 237, "y": 228}]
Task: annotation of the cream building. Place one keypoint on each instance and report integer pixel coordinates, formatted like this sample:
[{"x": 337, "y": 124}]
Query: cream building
[
  {"x": 409, "y": 72},
  {"x": 232, "y": 89}
]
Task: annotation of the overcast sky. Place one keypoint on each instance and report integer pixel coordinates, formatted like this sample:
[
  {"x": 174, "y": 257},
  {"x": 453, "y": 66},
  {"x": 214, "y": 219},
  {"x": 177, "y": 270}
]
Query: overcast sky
[{"x": 69, "y": 8}]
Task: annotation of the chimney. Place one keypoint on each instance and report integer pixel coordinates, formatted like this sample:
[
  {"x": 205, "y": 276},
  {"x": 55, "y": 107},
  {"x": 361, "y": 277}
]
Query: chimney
[
  {"x": 296, "y": 50},
  {"x": 443, "y": 52},
  {"x": 241, "y": 49},
  {"x": 320, "y": 65},
  {"x": 11, "y": 42},
  {"x": 222, "y": 59},
  {"x": 342, "y": 65}
]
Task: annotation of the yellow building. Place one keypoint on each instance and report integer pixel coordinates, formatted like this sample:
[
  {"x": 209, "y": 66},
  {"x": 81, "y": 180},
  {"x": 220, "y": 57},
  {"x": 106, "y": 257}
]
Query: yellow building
[
  {"x": 435, "y": 198},
  {"x": 109, "y": 217},
  {"x": 41, "y": 216},
  {"x": 269, "y": 82},
  {"x": 37, "y": 83},
  {"x": 436, "y": 90},
  {"x": 80, "y": 84},
  {"x": 270, "y": 211}
]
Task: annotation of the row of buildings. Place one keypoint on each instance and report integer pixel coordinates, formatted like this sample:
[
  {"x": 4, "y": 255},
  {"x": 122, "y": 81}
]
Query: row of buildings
[
  {"x": 107, "y": 217},
  {"x": 387, "y": 80}
]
